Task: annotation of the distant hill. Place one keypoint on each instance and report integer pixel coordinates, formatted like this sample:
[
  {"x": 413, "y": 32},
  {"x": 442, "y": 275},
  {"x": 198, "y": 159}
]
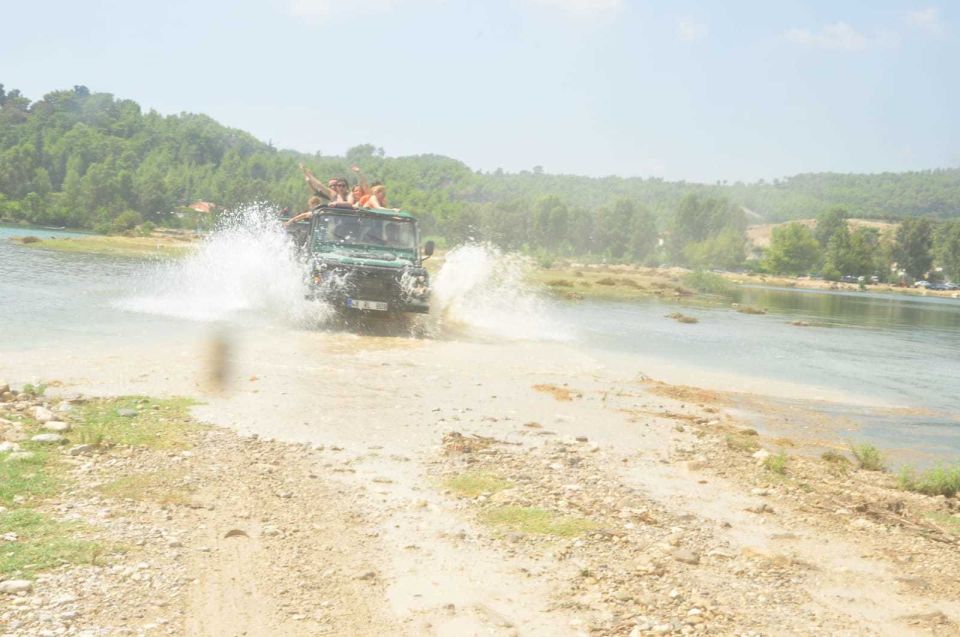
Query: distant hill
[{"x": 85, "y": 159}]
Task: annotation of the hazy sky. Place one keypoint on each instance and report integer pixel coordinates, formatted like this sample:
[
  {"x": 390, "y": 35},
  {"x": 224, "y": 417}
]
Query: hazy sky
[{"x": 700, "y": 91}]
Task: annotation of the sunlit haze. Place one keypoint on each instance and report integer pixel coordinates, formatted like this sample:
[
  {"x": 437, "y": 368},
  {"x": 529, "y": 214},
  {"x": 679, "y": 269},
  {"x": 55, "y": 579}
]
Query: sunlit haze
[{"x": 701, "y": 91}]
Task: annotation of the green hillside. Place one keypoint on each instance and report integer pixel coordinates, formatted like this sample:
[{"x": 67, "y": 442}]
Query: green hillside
[{"x": 88, "y": 160}]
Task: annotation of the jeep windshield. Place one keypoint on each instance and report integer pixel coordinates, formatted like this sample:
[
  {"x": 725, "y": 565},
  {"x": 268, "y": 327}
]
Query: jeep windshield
[{"x": 377, "y": 232}]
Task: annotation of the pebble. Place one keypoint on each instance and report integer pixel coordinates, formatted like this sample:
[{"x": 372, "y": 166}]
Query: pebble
[
  {"x": 48, "y": 438},
  {"x": 13, "y": 586},
  {"x": 57, "y": 426},
  {"x": 42, "y": 414},
  {"x": 127, "y": 412}
]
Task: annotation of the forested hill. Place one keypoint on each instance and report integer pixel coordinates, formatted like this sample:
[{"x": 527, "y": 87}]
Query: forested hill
[{"x": 88, "y": 160}]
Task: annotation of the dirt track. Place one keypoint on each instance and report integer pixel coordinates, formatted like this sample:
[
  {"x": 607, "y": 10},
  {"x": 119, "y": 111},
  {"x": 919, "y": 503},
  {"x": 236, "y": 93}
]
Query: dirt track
[{"x": 364, "y": 536}]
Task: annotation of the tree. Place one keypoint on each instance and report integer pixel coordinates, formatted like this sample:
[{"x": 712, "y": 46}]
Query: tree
[
  {"x": 550, "y": 218},
  {"x": 793, "y": 250},
  {"x": 828, "y": 223},
  {"x": 946, "y": 249},
  {"x": 701, "y": 222},
  {"x": 913, "y": 246},
  {"x": 613, "y": 227},
  {"x": 726, "y": 250},
  {"x": 836, "y": 259},
  {"x": 866, "y": 255},
  {"x": 643, "y": 238}
]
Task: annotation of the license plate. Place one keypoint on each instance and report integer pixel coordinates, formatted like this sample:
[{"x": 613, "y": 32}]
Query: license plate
[{"x": 357, "y": 304}]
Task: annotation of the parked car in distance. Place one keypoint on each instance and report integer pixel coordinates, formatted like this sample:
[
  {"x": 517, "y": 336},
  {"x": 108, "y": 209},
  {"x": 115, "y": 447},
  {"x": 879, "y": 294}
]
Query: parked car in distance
[{"x": 922, "y": 284}]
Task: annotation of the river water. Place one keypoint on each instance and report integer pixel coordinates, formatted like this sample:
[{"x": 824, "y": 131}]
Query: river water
[{"x": 903, "y": 351}]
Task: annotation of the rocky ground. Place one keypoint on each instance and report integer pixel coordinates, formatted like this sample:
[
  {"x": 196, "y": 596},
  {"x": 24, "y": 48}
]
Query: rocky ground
[
  {"x": 221, "y": 535},
  {"x": 508, "y": 491},
  {"x": 642, "y": 566}
]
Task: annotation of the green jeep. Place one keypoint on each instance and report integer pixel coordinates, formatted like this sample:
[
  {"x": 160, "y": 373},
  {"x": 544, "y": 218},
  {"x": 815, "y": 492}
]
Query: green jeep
[{"x": 368, "y": 261}]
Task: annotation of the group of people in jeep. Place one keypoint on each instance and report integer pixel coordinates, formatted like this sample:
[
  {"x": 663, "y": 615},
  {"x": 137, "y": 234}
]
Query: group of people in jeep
[{"x": 337, "y": 193}]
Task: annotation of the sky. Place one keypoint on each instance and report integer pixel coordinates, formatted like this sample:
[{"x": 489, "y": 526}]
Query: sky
[{"x": 697, "y": 91}]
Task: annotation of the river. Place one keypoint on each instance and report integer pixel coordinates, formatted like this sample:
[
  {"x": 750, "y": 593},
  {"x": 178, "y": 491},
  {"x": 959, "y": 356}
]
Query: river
[{"x": 900, "y": 351}]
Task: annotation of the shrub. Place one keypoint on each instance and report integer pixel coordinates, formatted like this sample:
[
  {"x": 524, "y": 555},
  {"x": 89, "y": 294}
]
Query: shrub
[
  {"x": 34, "y": 390},
  {"x": 868, "y": 457},
  {"x": 126, "y": 221},
  {"x": 146, "y": 229},
  {"x": 777, "y": 463},
  {"x": 940, "y": 480},
  {"x": 742, "y": 443},
  {"x": 835, "y": 457},
  {"x": 707, "y": 282}
]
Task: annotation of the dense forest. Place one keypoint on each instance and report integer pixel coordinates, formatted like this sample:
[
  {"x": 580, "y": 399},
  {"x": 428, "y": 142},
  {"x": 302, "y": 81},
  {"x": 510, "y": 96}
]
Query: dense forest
[{"x": 87, "y": 160}]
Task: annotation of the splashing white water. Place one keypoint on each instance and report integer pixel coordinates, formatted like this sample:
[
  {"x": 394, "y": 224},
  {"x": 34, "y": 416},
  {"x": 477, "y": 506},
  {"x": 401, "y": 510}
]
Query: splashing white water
[
  {"x": 482, "y": 290},
  {"x": 245, "y": 271}
]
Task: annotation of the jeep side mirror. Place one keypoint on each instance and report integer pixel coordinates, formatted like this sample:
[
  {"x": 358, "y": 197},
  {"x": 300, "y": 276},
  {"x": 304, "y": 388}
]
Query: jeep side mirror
[{"x": 428, "y": 248}]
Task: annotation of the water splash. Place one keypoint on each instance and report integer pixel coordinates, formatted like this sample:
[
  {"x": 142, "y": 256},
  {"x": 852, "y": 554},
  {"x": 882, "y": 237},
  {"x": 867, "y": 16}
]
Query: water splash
[
  {"x": 246, "y": 271},
  {"x": 481, "y": 290}
]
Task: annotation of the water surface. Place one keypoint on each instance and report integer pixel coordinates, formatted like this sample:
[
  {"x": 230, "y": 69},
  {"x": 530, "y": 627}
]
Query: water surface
[{"x": 903, "y": 350}]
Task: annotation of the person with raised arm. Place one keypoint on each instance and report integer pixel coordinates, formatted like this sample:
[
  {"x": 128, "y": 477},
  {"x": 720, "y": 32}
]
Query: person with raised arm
[{"x": 361, "y": 189}]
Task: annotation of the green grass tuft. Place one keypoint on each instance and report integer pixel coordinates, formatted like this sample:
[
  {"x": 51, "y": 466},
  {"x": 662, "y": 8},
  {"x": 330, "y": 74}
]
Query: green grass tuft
[
  {"x": 34, "y": 390},
  {"x": 868, "y": 457},
  {"x": 835, "y": 458},
  {"x": 940, "y": 480},
  {"x": 159, "y": 423},
  {"x": 474, "y": 483},
  {"x": 945, "y": 520},
  {"x": 777, "y": 463},
  {"x": 536, "y": 521},
  {"x": 745, "y": 443},
  {"x": 27, "y": 478},
  {"x": 42, "y": 543}
]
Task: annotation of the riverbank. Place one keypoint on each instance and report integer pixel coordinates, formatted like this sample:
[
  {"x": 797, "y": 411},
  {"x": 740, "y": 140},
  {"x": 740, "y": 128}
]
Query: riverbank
[
  {"x": 156, "y": 245},
  {"x": 515, "y": 488},
  {"x": 623, "y": 282}
]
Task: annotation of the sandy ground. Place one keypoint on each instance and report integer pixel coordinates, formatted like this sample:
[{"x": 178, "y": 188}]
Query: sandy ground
[{"x": 685, "y": 543}]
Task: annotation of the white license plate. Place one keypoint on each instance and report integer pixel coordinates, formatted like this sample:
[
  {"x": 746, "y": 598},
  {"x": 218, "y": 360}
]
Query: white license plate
[{"x": 357, "y": 304}]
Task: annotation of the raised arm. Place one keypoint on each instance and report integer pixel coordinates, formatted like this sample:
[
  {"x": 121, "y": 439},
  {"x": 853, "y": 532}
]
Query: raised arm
[
  {"x": 362, "y": 179},
  {"x": 315, "y": 184}
]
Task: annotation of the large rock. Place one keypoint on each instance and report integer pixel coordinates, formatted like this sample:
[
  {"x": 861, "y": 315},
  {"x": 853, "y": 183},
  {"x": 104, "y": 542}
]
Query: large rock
[
  {"x": 57, "y": 426},
  {"x": 42, "y": 414},
  {"x": 127, "y": 412},
  {"x": 19, "y": 456},
  {"x": 686, "y": 556},
  {"x": 47, "y": 438},
  {"x": 4, "y": 387},
  {"x": 12, "y": 586},
  {"x": 8, "y": 446}
]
